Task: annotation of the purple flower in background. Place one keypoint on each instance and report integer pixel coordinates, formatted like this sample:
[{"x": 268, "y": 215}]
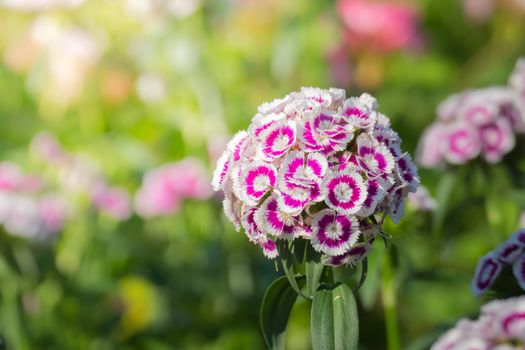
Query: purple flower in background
[
  {"x": 510, "y": 253},
  {"x": 501, "y": 325},
  {"x": 487, "y": 271},
  {"x": 474, "y": 123},
  {"x": 163, "y": 189},
  {"x": 316, "y": 165}
]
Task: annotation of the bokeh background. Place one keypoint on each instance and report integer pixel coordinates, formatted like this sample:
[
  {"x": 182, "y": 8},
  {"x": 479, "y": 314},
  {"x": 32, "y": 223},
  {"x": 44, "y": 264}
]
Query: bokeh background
[{"x": 112, "y": 116}]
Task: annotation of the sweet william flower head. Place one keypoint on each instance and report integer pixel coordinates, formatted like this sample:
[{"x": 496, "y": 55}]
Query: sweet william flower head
[
  {"x": 477, "y": 122},
  {"x": 316, "y": 165},
  {"x": 501, "y": 325}
]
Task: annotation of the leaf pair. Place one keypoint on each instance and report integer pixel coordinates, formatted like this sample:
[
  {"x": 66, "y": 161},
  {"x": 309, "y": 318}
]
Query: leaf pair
[{"x": 334, "y": 321}]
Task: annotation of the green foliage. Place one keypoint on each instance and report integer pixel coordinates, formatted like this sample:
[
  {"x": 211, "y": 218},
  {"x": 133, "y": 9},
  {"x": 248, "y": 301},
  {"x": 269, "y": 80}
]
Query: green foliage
[
  {"x": 188, "y": 280},
  {"x": 275, "y": 311},
  {"x": 335, "y": 322}
]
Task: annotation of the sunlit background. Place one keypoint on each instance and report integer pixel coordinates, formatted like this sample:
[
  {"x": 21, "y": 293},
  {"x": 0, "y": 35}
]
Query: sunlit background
[{"x": 113, "y": 114}]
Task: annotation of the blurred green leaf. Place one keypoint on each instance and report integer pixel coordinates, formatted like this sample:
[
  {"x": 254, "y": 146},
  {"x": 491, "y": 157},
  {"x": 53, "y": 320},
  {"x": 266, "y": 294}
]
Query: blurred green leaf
[{"x": 275, "y": 311}]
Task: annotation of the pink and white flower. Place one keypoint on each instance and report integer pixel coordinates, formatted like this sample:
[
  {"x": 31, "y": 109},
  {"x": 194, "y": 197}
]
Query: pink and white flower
[
  {"x": 300, "y": 180},
  {"x": 501, "y": 325},
  {"x": 325, "y": 131},
  {"x": 358, "y": 111},
  {"x": 333, "y": 233},
  {"x": 497, "y": 139},
  {"x": 463, "y": 143},
  {"x": 345, "y": 191},
  {"x": 300, "y": 157},
  {"x": 254, "y": 181},
  {"x": 476, "y": 122},
  {"x": 277, "y": 139},
  {"x": 276, "y": 222},
  {"x": 374, "y": 157}
]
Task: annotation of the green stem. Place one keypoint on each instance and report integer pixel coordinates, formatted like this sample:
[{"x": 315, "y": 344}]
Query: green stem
[{"x": 388, "y": 295}]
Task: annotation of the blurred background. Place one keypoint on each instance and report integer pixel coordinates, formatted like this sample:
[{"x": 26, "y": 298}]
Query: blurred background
[{"x": 113, "y": 114}]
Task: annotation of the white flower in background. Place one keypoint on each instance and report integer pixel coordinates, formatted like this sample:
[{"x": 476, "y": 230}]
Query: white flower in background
[
  {"x": 151, "y": 88},
  {"x": 39, "y": 5},
  {"x": 57, "y": 58},
  {"x": 71, "y": 57},
  {"x": 182, "y": 8}
]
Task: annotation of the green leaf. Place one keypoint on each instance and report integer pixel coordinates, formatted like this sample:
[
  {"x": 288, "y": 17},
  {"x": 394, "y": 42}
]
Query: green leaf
[
  {"x": 364, "y": 272},
  {"x": 335, "y": 323},
  {"x": 288, "y": 266},
  {"x": 275, "y": 311},
  {"x": 314, "y": 270}
]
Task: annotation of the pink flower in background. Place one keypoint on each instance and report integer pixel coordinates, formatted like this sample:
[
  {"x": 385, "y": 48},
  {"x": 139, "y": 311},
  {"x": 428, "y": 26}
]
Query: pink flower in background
[
  {"x": 340, "y": 68},
  {"x": 430, "y": 151},
  {"x": 54, "y": 212},
  {"x": 497, "y": 139},
  {"x": 22, "y": 216},
  {"x": 379, "y": 26},
  {"x": 113, "y": 201},
  {"x": 189, "y": 179},
  {"x": 46, "y": 146},
  {"x": 478, "y": 10},
  {"x": 475, "y": 122},
  {"x": 501, "y": 325},
  {"x": 163, "y": 189},
  {"x": 25, "y": 210},
  {"x": 10, "y": 176},
  {"x": 462, "y": 143},
  {"x": 78, "y": 176}
]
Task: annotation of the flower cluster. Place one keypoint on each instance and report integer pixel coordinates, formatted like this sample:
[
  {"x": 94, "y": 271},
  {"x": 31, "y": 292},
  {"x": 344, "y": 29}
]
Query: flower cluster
[
  {"x": 25, "y": 209},
  {"x": 476, "y": 122},
  {"x": 318, "y": 166},
  {"x": 163, "y": 189},
  {"x": 501, "y": 326},
  {"x": 509, "y": 253}
]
